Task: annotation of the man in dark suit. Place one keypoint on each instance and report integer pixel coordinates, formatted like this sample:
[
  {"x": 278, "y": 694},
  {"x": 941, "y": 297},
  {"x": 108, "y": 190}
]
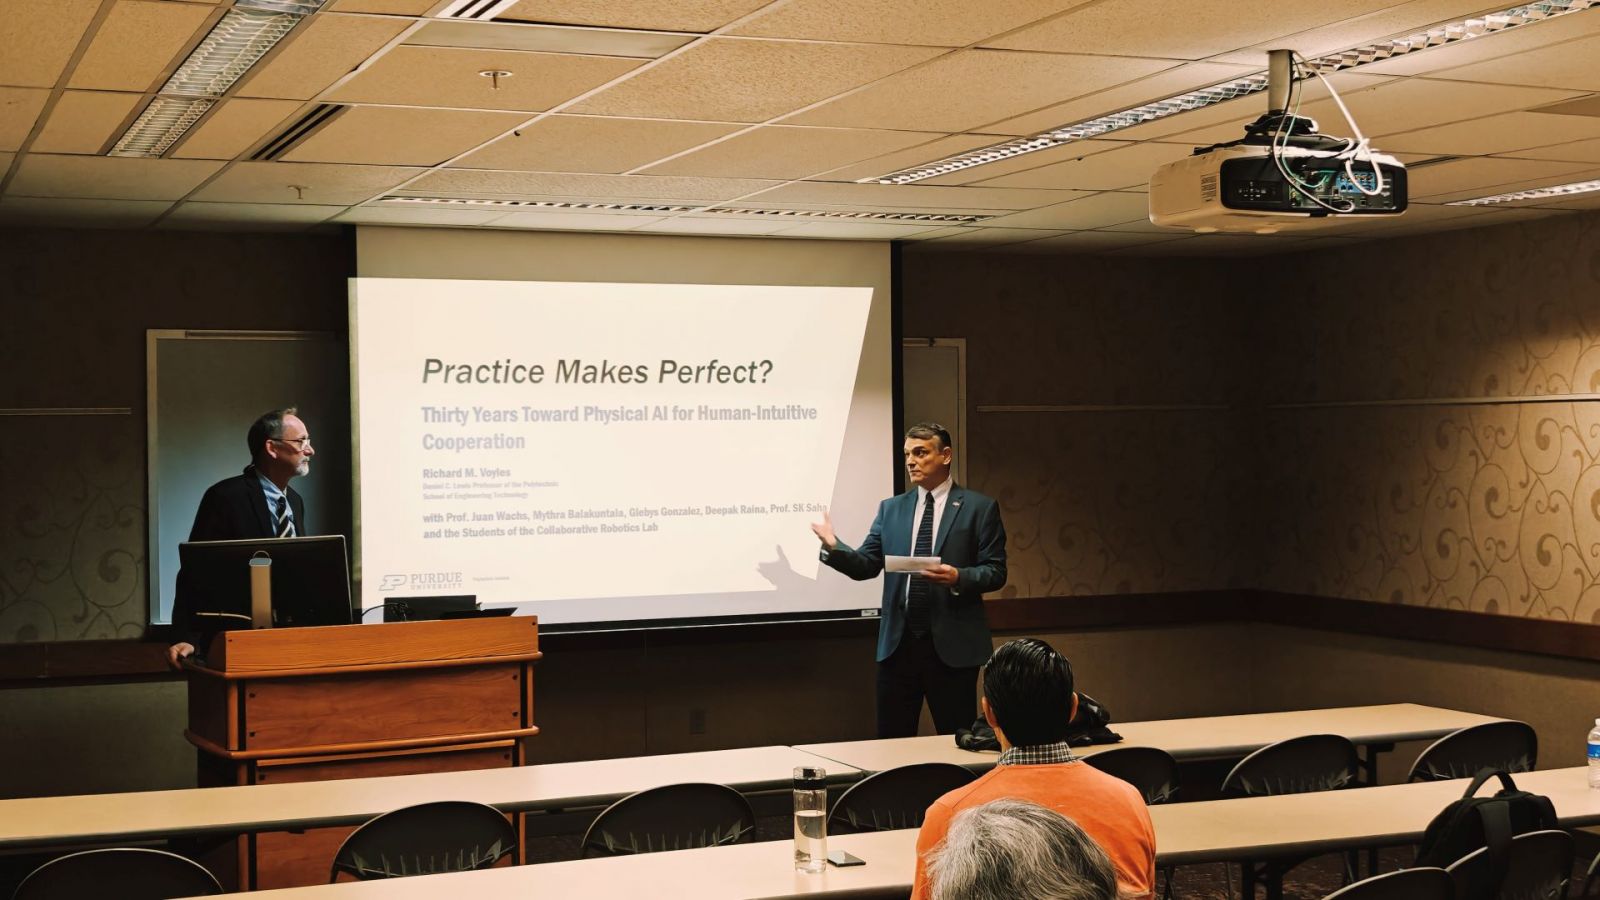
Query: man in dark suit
[
  {"x": 932, "y": 634},
  {"x": 255, "y": 504}
]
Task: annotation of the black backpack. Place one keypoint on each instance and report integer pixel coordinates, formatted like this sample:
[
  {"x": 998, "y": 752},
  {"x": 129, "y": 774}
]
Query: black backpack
[{"x": 1473, "y": 822}]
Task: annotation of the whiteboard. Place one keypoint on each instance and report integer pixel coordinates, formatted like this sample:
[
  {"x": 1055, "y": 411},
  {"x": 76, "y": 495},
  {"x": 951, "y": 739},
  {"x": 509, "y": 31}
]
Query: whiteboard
[{"x": 205, "y": 388}]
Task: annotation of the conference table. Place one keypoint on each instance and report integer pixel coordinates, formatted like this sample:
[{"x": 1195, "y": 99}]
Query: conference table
[
  {"x": 1186, "y": 833},
  {"x": 144, "y": 815},
  {"x": 1210, "y": 737}
]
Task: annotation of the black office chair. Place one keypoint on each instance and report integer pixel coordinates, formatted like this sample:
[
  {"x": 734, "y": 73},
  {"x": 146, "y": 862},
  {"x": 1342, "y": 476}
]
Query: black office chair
[
  {"x": 1315, "y": 762},
  {"x": 673, "y": 817},
  {"x": 1150, "y": 769},
  {"x": 1407, "y": 884},
  {"x": 1538, "y": 868},
  {"x": 1153, "y": 772},
  {"x": 1591, "y": 879},
  {"x": 895, "y": 798},
  {"x": 124, "y": 873},
  {"x": 1508, "y": 746},
  {"x": 426, "y": 839}
]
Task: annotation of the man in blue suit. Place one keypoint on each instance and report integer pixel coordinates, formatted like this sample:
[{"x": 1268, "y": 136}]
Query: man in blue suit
[{"x": 932, "y": 634}]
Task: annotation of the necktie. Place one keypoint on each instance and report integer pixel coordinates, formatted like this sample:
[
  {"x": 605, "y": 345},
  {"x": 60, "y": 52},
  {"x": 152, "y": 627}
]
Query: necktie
[
  {"x": 285, "y": 524},
  {"x": 917, "y": 593}
]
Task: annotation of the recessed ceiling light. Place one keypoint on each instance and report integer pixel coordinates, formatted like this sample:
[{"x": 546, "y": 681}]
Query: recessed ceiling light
[
  {"x": 240, "y": 38},
  {"x": 1437, "y": 36},
  {"x": 1560, "y": 190}
]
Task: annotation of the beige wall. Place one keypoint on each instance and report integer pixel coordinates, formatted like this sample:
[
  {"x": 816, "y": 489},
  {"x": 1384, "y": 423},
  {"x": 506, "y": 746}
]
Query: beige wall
[{"x": 1431, "y": 430}]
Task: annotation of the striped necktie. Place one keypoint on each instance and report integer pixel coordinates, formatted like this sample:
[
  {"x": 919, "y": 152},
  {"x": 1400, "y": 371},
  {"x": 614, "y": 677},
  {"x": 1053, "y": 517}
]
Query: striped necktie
[
  {"x": 285, "y": 524},
  {"x": 917, "y": 592}
]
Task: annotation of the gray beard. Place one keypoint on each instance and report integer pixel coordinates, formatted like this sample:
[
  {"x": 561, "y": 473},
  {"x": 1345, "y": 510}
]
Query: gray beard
[{"x": 303, "y": 469}]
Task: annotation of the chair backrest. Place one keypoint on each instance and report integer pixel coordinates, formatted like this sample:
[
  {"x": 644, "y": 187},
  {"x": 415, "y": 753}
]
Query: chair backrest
[
  {"x": 1538, "y": 868},
  {"x": 895, "y": 798},
  {"x": 448, "y": 836},
  {"x": 1315, "y": 762},
  {"x": 127, "y": 874},
  {"x": 1591, "y": 880},
  {"x": 1508, "y": 746},
  {"x": 673, "y": 817},
  {"x": 1150, "y": 769},
  {"x": 1407, "y": 884}
]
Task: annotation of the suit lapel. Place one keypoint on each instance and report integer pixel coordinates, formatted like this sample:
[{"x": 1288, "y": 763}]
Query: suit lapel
[
  {"x": 905, "y": 507},
  {"x": 258, "y": 503},
  {"x": 952, "y": 508}
]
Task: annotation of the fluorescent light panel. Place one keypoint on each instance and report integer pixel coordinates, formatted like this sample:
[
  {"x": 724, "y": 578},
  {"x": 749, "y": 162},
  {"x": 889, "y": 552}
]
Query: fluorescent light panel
[
  {"x": 240, "y": 38},
  {"x": 856, "y": 215},
  {"x": 1560, "y": 190},
  {"x": 1437, "y": 36}
]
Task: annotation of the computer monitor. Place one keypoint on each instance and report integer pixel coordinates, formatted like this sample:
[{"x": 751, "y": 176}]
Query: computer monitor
[{"x": 310, "y": 581}]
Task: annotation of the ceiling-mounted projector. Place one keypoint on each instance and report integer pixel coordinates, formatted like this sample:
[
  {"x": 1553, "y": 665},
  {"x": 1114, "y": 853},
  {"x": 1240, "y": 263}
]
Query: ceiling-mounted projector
[{"x": 1282, "y": 174}]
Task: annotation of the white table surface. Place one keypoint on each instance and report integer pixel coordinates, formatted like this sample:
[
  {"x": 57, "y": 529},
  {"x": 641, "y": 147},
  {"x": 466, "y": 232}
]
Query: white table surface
[
  {"x": 1210, "y": 737},
  {"x": 1210, "y": 831},
  {"x": 40, "y": 821}
]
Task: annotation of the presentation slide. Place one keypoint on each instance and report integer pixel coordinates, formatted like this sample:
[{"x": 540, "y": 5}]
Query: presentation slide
[{"x": 602, "y": 452}]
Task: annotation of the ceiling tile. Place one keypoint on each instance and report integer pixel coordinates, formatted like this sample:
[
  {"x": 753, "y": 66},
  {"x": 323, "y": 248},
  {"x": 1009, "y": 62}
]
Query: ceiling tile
[
  {"x": 893, "y": 162},
  {"x": 385, "y": 7},
  {"x": 109, "y": 177},
  {"x": 1502, "y": 133},
  {"x": 137, "y": 42},
  {"x": 540, "y": 38},
  {"x": 1090, "y": 212},
  {"x": 397, "y": 136},
  {"x": 234, "y": 127},
  {"x": 968, "y": 236},
  {"x": 680, "y": 15},
  {"x": 907, "y": 196},
  {"x": 248, "y": 216},
  {"x": 733, "y": 80},
  {"x": 939, "y": 23},
  {"x": 592, "y": 144},
  {"x": 447, "y": 76},
  {"x": 323, "y": 184},
  {"x": 1105, "y": 171},
  {"x": 776, "y": 151},
  {"x": 420, "y": 215},
  {"x": 1413, "y": 103},
  {"x": 1161, "y": 85},
  {"x": 317, "y": 54},
  {"x": 1193, "y": 29},
  {"x": 39, "y": 38},
  {"x": 727, "y": 225},
  {"x": 36, "y": 212},
  {"x": 476, "y": 183},
  {"x": 5, "y": 163},
  {"x": 83, "y": 121},
  {"x": 1475, "y": 177},
  {"x": 19, "y": 110},
  {"x": 1577, "y": 151},
  {"x": 1570, "y": 65},
  {"x": 964, "y": 90},
  {"x": 574, "y": 221}
]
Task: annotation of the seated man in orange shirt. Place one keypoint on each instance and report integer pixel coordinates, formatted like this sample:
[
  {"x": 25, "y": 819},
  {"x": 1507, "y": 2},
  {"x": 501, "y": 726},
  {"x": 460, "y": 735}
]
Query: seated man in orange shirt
[{"x": 1028, "y": 698}]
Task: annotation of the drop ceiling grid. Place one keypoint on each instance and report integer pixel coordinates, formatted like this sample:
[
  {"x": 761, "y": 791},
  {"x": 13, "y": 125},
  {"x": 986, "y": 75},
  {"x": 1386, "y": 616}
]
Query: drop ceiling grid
[
  {"x": 401, "y": 118},
  {"x": 138, "y": 42}
]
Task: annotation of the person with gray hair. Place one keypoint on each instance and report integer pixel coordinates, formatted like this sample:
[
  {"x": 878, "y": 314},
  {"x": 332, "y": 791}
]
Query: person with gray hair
[{"x": 1012, "y": 849}]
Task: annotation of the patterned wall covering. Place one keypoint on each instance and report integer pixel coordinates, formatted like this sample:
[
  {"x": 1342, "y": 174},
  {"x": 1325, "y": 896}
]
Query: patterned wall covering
[
  {"x": 1112, "y": 496},
  {"x": 72, "y": 488},
  {"x": 1385, "y": 489}
]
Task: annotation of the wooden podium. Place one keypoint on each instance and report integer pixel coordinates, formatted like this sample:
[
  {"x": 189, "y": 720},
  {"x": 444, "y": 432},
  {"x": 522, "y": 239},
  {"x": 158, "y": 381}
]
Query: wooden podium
[{"x": 354, "y": 701}]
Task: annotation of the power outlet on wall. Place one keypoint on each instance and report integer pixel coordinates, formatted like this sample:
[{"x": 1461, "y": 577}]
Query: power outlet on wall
[{"x": 697, "y": 721}]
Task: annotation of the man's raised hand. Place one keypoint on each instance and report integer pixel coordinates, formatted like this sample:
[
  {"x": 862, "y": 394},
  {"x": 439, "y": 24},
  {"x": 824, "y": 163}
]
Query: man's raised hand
[{"x": 824, "y": 531}]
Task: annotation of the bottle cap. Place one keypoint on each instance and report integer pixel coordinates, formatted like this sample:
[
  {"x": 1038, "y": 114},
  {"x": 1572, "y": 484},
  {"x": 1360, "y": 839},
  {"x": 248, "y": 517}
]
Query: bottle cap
[{"x": 810, "y": 778}]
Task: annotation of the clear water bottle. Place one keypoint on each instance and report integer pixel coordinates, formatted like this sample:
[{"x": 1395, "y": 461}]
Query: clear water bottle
[
  {"x": 1594, "y": 756},
  {"x": 810, "y": 819}
]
